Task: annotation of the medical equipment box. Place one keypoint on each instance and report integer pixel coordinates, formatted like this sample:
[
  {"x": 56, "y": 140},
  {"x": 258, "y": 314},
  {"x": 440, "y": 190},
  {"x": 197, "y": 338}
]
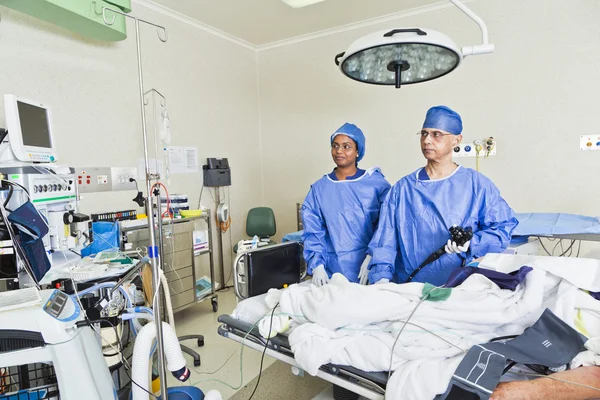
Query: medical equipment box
[
  {"x": 272, "y": 267},
  {"x": 217, "y": 172}
]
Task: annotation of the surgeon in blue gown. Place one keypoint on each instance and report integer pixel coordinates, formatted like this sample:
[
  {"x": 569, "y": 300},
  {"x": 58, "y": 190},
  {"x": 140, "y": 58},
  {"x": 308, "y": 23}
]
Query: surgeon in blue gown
[
  {"x": 421, "y": 207},
  {"x": 341, "y": 210}
]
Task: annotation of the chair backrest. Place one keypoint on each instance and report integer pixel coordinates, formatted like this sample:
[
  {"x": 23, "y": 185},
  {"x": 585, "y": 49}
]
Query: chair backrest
[{"x": 261, "y": 222}]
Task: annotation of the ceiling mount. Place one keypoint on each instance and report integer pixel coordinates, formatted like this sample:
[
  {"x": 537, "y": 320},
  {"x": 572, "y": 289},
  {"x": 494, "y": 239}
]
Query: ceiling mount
[{"x": 301, "y": 3}]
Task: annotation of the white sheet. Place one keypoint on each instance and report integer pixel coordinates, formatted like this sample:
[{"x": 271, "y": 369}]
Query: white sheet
[{"x": 349, "y": 324}]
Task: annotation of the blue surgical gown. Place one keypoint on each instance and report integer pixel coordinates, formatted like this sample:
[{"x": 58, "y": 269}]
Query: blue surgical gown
[
  {"x": 339, "y": 219},
  {"x": 415, "y": 218}
]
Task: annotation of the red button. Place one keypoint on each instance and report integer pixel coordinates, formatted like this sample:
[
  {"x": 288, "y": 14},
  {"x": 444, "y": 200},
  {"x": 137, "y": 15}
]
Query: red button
[{"x": 88, "y": 181}]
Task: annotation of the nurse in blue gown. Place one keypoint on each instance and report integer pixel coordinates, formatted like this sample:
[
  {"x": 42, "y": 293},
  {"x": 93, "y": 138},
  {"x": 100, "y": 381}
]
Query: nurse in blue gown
[
  {"x": 420, "y": 208},
  {"x": 341, "y": 210}
]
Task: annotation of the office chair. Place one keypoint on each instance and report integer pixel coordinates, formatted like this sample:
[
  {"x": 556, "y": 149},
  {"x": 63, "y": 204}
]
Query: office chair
[{"x": 260, "y": 222}]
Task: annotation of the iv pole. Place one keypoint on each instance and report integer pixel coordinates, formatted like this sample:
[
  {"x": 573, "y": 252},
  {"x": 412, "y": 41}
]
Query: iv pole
[{"x": 153, "y": 251}]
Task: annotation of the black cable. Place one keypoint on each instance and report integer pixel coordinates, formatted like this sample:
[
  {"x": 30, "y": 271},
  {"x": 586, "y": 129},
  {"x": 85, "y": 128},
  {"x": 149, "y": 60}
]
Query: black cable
[
  {"x": 537, "y": 368},
  {"x": 202, "y": 188},
  {"x": 137, "y": 188},
  {"x": 571, "y": 251},
  {"x": 11, "y": 189},
  {"x": 262, "y": 358},
  {"x": 544, "y": 247},
  {"x": 503, "y": 338},
  {"x": 508, "y": 367},
  {"x": 568, "y": 248},
  {"x": 16, "y": 184},
  {"x": 578, "y": 249},
  {"x": 74, "y": 252},
  {"x": 555, "y": 246}
]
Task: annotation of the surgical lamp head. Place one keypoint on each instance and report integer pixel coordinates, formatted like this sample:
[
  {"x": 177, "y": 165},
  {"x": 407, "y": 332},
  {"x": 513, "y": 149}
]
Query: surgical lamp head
[{"x": 406, "y": 56}]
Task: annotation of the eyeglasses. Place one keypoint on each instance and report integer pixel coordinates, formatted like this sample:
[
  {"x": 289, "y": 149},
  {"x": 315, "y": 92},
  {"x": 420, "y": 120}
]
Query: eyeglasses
[
  {"x": 344, "y": 146},
  {"x": 437, "y": 135}
]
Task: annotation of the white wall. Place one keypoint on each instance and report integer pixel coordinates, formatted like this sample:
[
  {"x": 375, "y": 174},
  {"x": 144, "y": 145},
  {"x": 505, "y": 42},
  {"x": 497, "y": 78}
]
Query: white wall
[
  {"x": 92, "y": 87},
  {"x": 536, "y": 94}
]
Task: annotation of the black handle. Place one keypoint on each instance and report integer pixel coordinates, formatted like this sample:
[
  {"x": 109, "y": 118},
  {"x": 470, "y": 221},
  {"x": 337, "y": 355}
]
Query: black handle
[
  {"x": 458, "y": 234},
  {"x": 337, "y": 58},
  {"x": 409, "y": 30},
  {"x": 433, "y": 257}
]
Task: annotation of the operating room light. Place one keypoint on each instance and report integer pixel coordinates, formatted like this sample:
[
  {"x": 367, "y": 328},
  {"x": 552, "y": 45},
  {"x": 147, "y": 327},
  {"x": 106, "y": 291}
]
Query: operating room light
[
  {"x": 407, "y": 56},
  {"x": 301, "y": 3}
]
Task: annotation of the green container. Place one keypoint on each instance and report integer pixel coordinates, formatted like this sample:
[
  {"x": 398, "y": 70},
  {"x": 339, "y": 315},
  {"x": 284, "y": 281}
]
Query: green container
[
  {"x": 124, "y": 5},
  {"x": 80, "y": 16}
]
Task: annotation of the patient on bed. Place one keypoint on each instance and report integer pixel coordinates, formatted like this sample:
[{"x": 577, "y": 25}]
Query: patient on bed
[{"x": 423, "y": 364}]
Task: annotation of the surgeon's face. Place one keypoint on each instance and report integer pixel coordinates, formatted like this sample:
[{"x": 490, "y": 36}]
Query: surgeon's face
[
  {"x": 344, "y": 151},
  {"x": 437, "y": 144}
]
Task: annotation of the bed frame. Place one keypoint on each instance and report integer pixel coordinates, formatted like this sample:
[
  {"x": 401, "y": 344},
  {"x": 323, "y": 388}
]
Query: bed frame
[{"x": 370, "y": 385}]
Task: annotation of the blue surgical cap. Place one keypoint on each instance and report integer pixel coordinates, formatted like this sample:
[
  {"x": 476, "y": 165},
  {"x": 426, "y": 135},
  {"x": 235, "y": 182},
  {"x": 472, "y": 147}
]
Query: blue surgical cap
[
  {"x": 354, "y": 133},
  {"x": 443, "y": 118}
]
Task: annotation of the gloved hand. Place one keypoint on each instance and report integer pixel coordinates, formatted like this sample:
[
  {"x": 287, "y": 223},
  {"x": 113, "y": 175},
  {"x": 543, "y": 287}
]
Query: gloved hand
[
  {"x": 452, "y": 247},
  {"x": 319, "y": 276},
  {"x": 382, "y": 280}
]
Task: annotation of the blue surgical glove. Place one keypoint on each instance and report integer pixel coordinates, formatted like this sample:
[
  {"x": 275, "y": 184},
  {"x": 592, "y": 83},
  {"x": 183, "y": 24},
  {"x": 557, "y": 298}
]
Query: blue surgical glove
[
  {"x": 319, "y": 276},
  {"x": 452, "y": 247}
]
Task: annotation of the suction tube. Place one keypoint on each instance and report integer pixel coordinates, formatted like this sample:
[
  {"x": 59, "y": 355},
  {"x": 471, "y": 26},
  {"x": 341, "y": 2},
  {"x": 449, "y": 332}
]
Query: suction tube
[
  {"x": 141, "y": 353},
  {"x": 167, "y": 297}
]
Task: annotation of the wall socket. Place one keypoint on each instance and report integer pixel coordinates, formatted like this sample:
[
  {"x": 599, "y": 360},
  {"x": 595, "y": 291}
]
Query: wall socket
[
  {"x": 105, "y": 179},
  {"x": 468, "y": 150},
  {"x": 589, "y": 143}
]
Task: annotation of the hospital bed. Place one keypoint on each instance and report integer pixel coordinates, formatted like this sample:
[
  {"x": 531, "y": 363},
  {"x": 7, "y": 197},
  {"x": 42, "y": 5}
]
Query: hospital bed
[
  {"x": 370, "y": 385},
  {"x": 255, "y": 272},
  {"x": 558, "y": 226}
]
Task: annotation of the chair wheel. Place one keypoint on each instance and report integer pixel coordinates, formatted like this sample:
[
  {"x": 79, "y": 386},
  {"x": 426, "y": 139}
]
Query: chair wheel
[
  {"x": 215, "y": 305},
  {"x": 200, "y": 342},
  {"x": 197, "y": 363}
]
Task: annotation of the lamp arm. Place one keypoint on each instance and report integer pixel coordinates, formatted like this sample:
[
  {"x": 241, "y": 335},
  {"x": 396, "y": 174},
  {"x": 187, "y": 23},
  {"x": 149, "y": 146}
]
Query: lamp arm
[{"x": 483, "y": 48}]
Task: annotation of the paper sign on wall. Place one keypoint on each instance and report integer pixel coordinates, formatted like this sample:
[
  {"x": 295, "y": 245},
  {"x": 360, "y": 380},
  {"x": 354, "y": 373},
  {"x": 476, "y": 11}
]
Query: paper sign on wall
[
  {"x": 191, "y": 159},
  {"x": 182, "y": 160}
]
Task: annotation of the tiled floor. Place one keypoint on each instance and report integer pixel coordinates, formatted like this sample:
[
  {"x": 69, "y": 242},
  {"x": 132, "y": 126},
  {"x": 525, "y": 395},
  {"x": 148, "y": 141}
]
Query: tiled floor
[{"x": 200, "y": 319}]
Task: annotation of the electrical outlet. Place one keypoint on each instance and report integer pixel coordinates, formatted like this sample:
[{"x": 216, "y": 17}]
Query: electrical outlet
[
  {"x": 468, "y": 150},
  {"x": 120, "y": 178},
  {"x": 589, "y": 142},
  {"x": 105, "y": 179}
]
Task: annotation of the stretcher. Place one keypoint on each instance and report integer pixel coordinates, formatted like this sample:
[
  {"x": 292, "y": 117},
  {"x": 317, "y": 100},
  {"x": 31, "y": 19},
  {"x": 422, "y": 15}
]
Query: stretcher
[{"x": 370, "y": 385}]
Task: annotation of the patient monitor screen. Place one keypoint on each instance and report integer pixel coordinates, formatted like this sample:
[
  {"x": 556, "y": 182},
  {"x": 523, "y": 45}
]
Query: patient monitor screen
[{"x": 34, "y": 125}]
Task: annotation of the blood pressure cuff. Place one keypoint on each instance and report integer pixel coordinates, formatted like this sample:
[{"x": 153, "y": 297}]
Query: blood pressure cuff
[
  {"x": 32, "y": 227},
  {"x": 549, "y": 342},
  {"x": 27, "y": 219},
  {"x": 36, "y": 255}
]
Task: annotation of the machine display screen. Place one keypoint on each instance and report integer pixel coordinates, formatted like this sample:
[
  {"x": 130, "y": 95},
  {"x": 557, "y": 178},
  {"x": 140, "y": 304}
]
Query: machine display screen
[
  {"x": 56, "y": 303},
  {"x": 35, "y": 128}
]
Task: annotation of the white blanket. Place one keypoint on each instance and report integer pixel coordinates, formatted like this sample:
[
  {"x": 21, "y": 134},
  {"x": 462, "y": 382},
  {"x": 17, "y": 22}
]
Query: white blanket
[{"x": 349, "y": 324}]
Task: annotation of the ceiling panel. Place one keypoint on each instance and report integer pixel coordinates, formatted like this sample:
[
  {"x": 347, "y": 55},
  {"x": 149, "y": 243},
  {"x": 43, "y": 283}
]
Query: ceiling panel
[{"x": 265, "y": 21}]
